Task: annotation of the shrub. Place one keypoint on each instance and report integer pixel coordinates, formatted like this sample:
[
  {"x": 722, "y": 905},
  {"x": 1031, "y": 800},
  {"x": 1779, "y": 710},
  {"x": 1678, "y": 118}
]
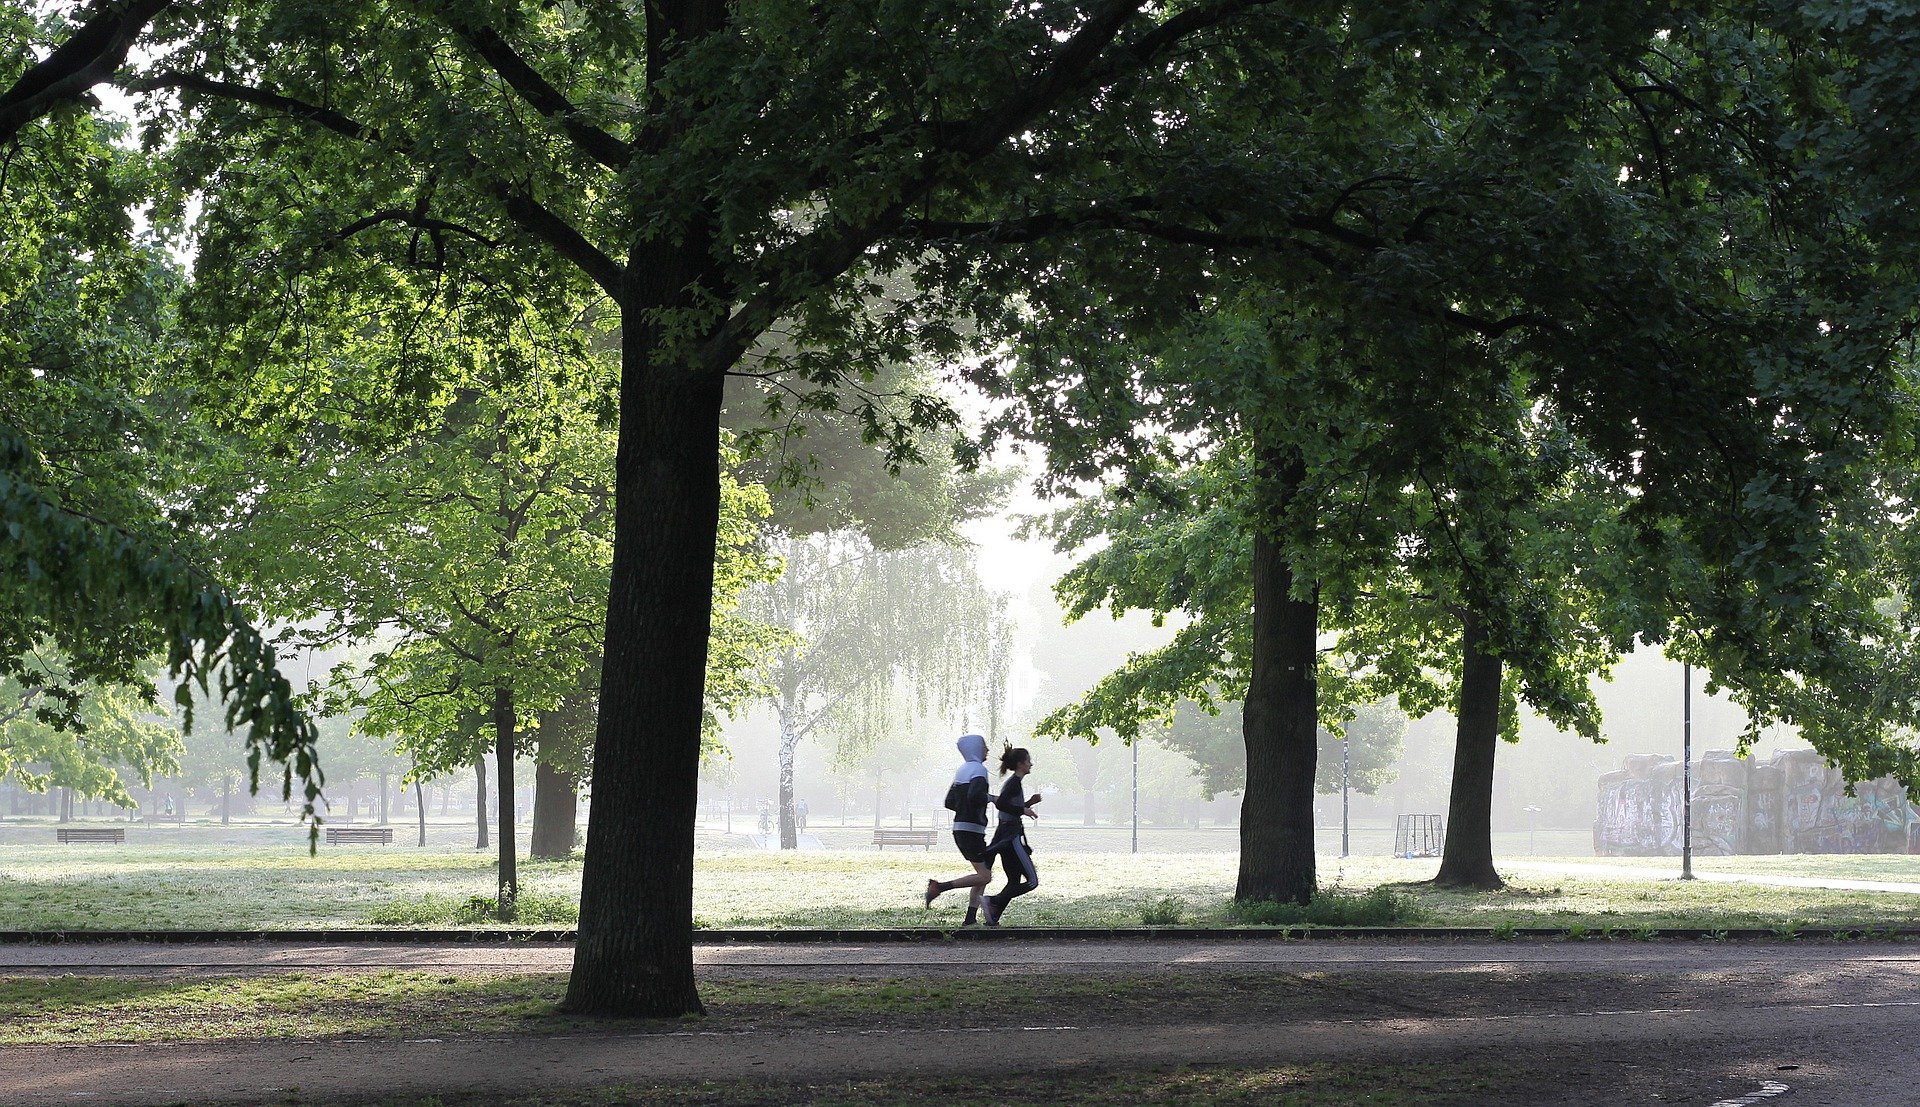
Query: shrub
[
  {"x": 1165, "y": 911},
  {"x": 1379, "y": 907},
  {"x": 535, "y": 908}
]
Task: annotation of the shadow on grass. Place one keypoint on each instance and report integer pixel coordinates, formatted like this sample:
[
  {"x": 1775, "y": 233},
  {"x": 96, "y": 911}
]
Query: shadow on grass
[{"x": 81, "y": 1009}]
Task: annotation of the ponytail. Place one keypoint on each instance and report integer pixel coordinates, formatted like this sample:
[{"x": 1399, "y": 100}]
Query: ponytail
[{"x": 1010, "y": 757}]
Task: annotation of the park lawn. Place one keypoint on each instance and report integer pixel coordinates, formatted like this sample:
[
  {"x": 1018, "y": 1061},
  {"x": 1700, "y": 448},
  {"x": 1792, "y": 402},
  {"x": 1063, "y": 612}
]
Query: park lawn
[
  {"x": 1899, "y": 867},
  {"x": 153, "y": 887}
]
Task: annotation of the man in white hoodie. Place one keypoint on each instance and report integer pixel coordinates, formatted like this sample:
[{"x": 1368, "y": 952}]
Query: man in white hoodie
[{"x": 967, "y": 798}]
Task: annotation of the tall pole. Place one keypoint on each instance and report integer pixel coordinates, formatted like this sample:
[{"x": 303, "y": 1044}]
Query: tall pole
[
  {"x": 1135, "y": 744},
  {"x": 1686, "y": 771},
  {"x": 1345, "y": 767}
]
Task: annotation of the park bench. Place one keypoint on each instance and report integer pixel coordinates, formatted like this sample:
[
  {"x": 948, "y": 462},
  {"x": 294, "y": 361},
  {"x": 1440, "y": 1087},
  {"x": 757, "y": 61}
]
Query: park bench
[
  {"x": 342, "y": 834},
  {"x": 890, "y": 836},
  {"x": 116, "y": 835}
]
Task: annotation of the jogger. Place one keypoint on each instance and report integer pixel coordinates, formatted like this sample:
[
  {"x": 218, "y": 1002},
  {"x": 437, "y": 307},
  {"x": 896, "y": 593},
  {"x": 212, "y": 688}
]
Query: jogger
[
  {"x": 1010, "y": 836},
  {"x": 967, "y": 798}
]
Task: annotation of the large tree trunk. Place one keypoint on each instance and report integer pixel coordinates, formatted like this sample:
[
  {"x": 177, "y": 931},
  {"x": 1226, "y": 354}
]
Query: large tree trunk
[
  {"x": 480, "y": 801},
  {"x": 556, "y": 800},
  {"x": 504, "y": 751},
  {"x": 1467, "y": 860},
  {"x": 1280, "y": 727},
  {"x": 634, "y": 954}
]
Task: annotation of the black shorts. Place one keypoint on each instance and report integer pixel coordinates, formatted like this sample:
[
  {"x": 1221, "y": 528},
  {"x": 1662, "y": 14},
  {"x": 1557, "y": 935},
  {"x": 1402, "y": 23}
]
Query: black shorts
[{"x": 972, "y": 843}]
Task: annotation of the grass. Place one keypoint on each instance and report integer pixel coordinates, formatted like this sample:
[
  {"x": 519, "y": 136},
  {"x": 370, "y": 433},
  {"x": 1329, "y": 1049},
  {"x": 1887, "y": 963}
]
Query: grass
[{"x": 181, "y": 886}]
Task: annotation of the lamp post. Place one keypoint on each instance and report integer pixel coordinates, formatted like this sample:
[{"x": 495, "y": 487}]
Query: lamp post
[
  {"x": 1346, "y": 765},
  {"x": 1135, "y": 746},
  {"x": 1531, "y": 809},
  {"x": 1686, "y": 771}
]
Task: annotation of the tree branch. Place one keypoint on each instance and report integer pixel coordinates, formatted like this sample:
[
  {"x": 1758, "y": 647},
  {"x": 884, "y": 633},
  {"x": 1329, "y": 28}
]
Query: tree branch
[
  {"x": 519, "y": 205},
  {"x": 544, "y": 98},
  {"x": 88, "y": 58},
  {"x": 411, "y": 219}
]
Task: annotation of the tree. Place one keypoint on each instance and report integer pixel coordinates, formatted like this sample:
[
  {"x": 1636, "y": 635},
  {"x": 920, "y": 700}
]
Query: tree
[
  {"x": 473, "y": 556},
  {"x": 1370, "y": 743},
  {"x": 46, "y": 742},
  {"x": 861, "y": 622},
  {"x": 97, "y": 553},
  {"x": 688, "y": 199},
  {"x": 754, "y": 165}
]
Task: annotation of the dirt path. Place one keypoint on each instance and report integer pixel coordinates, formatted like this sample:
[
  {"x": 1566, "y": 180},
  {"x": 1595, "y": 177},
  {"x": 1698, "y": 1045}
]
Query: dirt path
[
  {"x": 1600, "y": 1022},
  {"x": 894, "y": 958},
  {"x": 1825, "y": 1054}
]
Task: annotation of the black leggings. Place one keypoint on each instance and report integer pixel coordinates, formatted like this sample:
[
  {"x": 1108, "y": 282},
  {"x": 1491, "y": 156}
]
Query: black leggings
[{"x": 1022, "y": 877}]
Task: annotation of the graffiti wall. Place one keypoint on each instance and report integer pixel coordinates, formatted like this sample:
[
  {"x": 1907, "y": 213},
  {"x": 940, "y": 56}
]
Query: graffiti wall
[{"x": 1795, "y": 803}]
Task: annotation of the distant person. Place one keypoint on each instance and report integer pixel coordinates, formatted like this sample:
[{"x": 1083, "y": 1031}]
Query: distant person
[
  {"x": 800, "y": 815},
  {"x": 1010, "y": 837},
  {"x": 967, "y": 798},
  {"x": 167, "y": 808}
]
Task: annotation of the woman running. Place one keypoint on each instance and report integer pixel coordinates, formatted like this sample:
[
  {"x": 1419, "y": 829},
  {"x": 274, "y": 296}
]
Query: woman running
[
  {"x": 967, "y": 798},
  {"x": 1010, "y": 837}
]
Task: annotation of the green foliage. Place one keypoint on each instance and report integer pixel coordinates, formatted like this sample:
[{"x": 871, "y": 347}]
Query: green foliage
[
  {"x": 1380, "y": 906},
  {"x": 1164, "y": 911},
  {"x": 98, "y": 564},
  {"x": 531, "y": 909},
  {"x": 80, "y": 746},
  {"x": 470, "y": 558},
  {"x": 869, "y": 628},
  {"x": 1373, "y": 740}
]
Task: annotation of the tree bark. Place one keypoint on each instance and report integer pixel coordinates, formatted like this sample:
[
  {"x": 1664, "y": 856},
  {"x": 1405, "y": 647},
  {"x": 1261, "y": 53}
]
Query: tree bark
[
  {"x": 504, "y": 751},
  {"x": 1467, "y": 859},
  {"x": 1280, "y": 727},
  {"x": 480, "y": 801},
  {"x": 634, "y": 954},
  {"x": 556, "y": 799},
  {"x": 789, "y": 829},
  {"x": 420, "y": 808},
  {"x": 383, "y": 799}
]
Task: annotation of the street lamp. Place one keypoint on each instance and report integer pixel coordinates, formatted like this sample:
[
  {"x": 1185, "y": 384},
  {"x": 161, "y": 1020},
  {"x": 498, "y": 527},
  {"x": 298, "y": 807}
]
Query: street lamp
[
  {"x": 1135, "y": 746},
  {"x": 1686, "y": 771},
  {"x": 1531, "y": 809},
  {"x": 1346, "y": 765}
]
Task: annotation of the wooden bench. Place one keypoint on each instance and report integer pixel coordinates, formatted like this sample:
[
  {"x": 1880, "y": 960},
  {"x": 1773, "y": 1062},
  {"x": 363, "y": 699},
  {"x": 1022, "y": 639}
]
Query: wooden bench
[
  {"x": 115, "y": 835},
  {"x": 890, "y": 836},
  {"x": 342, "y": 834}
]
